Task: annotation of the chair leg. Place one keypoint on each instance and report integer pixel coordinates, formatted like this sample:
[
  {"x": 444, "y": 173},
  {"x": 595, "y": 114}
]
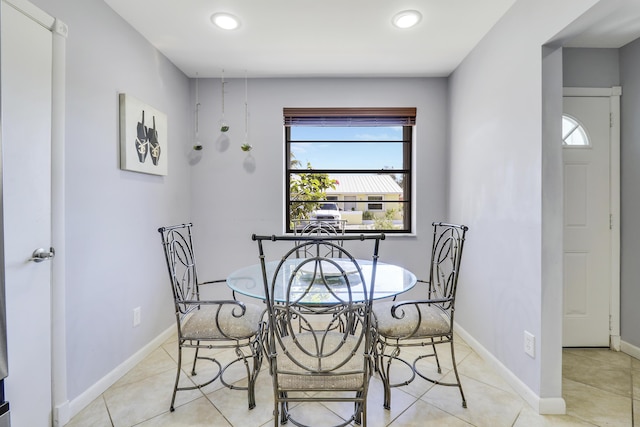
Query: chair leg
[
  {"x": 175, "y": 386},
  {"x": 195, "y": 359},
  {"x": 435, "y": 354},
  {"x": 384, "y": 369},
  {"x": 455, "y": 371},
  {"x": 276, "y": 414},
  {"x": 360, "y": 411},
  {"x": 284, "y": 411},
  {"x": 253, "y": 377},
  {"x": 252, "y": 371},
  {"x": 385, "y": 372}
]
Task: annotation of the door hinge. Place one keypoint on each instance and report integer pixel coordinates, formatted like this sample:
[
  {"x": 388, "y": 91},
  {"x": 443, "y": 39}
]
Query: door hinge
[
  {"x": 610, "y": 120},
  {"x": 610, "y": 221}
]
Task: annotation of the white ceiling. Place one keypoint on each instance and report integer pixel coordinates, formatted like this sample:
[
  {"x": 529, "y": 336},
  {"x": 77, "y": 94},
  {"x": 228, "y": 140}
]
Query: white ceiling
[
  {"x": 310, "y": 38},
  {"x": 342, "y": 38},
  {"x": 607, "y": 27}
]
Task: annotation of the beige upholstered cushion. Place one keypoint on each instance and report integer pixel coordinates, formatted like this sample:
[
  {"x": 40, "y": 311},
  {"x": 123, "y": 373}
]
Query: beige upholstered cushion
[
  {"x": 201, "y": 324},
  {"x": 433, "y": 322},
  {"x": 321, "y": 373}
]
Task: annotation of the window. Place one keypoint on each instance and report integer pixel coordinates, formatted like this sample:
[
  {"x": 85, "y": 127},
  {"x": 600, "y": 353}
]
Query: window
[
  {"x": 359, "y": 158},
  {"x": 374, "y": 206},
  {"x": 573, "y": 134}
]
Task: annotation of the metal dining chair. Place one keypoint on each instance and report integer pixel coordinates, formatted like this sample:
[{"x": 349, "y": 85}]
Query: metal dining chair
[
  {"x": 209, "y": 324},
  {"x": 423, "y": 323},
  {"x": 320, "y": 229},
  {"x": 318, "y": 362}
]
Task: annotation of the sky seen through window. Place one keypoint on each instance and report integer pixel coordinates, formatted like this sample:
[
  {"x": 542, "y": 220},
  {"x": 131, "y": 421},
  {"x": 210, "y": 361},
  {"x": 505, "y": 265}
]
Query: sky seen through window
[{"x": 386, "y": 154}]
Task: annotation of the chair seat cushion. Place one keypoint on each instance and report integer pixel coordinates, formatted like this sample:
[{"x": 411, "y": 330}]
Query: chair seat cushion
[
  {"x": 433, "y": 321},
  {"x": 320, "y": 357},
  {"x": 209, "y": 323}
]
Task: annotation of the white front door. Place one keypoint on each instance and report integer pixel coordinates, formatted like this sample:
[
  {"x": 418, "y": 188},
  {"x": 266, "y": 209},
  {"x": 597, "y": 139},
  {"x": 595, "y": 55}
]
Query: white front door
[
  {"x": 26, "y": 150},
  {"x": 587, "y": 210},
  {"x": 349, "y": 203}
]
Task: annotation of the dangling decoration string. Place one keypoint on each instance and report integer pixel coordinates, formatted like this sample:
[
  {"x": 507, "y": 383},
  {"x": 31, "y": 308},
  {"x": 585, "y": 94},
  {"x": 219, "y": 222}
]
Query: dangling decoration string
[
  {"x": 197, "y": 146},
  {"x": 197, "y": 107},
  {"x": 246, "y": 146},
  {"x": 223, "y": 125}
]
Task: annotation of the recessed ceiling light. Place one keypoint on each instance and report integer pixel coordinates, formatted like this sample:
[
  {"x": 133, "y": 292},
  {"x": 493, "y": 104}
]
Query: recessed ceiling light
[
  {"x": 406, "y": 18},
  {"x": 226, "y": 21}
]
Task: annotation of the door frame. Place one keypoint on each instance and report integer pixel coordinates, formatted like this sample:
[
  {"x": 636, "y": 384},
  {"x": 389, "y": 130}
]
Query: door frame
[
  {"x": 613, "y": 93},
  {"x": 60, "y": 411}
]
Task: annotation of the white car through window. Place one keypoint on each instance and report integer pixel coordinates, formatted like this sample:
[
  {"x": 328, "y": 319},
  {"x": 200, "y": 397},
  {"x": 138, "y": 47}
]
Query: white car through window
[{"x": 327, "y": 212}]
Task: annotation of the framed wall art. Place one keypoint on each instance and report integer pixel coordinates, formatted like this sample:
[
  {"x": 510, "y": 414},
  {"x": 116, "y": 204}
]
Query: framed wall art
[{"x": 143, "y": 137}]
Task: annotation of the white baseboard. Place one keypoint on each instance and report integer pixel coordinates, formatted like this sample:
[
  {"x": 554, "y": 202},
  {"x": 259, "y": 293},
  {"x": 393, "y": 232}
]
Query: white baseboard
[
  {"x": 551, "y": 406},
  {"x": 61, "y": 414},
  {"x": 93, "y": 392},
  {"x": 615, "y": 343},
  {"x": 548, "y": 406},
  {"x": 630, "y": 349}
]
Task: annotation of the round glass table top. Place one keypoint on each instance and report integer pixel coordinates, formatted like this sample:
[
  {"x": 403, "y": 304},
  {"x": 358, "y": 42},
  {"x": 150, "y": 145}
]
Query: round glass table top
[{"x": 327, "y": 287}]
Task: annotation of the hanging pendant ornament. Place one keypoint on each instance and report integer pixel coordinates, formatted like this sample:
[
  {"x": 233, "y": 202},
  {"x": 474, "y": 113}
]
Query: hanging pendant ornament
[
  {"x": 245, "y": 145},
  {"x": 197, "y": 145},
  {"x": 224, "y": 127}
]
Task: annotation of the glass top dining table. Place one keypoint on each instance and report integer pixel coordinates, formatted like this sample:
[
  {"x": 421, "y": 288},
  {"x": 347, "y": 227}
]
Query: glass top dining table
[{"x": 390, "y": 280}]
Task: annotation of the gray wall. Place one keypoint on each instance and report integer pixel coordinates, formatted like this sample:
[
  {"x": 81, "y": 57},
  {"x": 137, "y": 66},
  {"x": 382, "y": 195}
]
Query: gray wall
[
  {"x": 497, "y": 188},
  {"x": 588, "y": 67},
  {"x": 114, "y": 257},
  {"x": 630, "y": 199},
  {"x": 235, "y": 194}
]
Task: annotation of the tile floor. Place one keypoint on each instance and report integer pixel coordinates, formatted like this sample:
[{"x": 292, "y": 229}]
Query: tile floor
[{"x": 601, "y": 388}]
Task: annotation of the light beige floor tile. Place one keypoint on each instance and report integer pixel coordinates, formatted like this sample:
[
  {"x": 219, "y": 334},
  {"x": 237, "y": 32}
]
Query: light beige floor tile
[
  {"x": 635, "y": 381},
  {"x": 401, "y": 372},
  {"x": 173, "y": 337},
  {"x": 234, "y": 406},
  {"x": 233, "y": 374},
  {"x": 94, "y": 415},
  {"x": 158, "y": 361},
  {"x": 142, "y": 396},
  {"x": 635, "y": 364},
  {"x": 487, "y": 406},
  {"x": 206, "y": 369},
  {"x": 474, "y": 367},
  {"x": 596, "y": 370},
  {"x": 421, "y": 414},
  {"x": 187, "y": 353},
  {"x": 199, "y": 413},
  {"x": 461, "y": 349},
  {"x": 596, "y": 406},
  {"x": 136, "y": 402},
  {"x": 314, "y": 414},
  {"x": 529, "y": 418},
  {"x": 377, "y": 416},
  {"x": 607, "y": 358}
]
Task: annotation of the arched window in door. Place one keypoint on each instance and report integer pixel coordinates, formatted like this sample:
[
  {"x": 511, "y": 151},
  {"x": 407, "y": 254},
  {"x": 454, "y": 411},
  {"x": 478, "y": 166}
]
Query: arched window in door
[{"x": 573, "y": 134}]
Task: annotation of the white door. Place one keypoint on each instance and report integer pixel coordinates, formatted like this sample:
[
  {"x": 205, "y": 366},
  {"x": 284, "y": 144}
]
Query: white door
[
  {"x": 587, "y": 247},
  {"x": 349, "y": 203},
  {"x": 26, "y": 150}
]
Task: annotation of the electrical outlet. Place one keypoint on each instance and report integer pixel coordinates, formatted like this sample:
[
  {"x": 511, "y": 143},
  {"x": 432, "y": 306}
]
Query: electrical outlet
[
  {"x": 136, "y": 316},
  {"x": 530, "y": 344}
]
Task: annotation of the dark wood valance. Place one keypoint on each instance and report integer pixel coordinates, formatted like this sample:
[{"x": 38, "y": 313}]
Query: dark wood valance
[{"x": 352, "y": 116}]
